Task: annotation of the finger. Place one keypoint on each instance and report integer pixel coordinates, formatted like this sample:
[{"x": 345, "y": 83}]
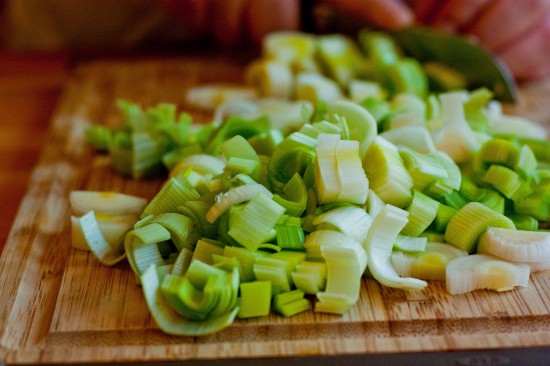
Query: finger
[
  {"x": 389, "y": 14},
  {"x": 226, "y": 18},
  {"x": 266, "y": 16},
  {"x": 529, "y": 57},
  {"x": 505, "y": 21},
  {"x": 458, "y": 14}
]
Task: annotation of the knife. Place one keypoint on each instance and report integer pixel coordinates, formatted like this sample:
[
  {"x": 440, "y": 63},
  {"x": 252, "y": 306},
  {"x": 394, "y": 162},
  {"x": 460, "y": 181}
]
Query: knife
[{"x": 478, "y": 66}]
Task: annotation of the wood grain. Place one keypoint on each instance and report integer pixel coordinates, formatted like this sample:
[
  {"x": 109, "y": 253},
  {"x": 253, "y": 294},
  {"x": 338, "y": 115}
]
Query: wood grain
[{"x": 59, "y": 305}]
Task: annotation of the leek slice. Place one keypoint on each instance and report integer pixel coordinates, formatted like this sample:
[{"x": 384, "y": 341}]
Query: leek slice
[
  {"x": 310, "y": 277},
  {"x": 314, "y": 87},
  {"x": 361, "y": 124},
  {"x": 168, "y": 320},
  {"x": 189, "y": 301},
  {"x": 290, "y": 303},
  {"x": 417, "y": 138},
  {"x": 350, "y": 220},
  {"x": 113, "y": 229},
  {"x": 423, "y": 168},
  {"x": 341, "y": 57},
  {"x": 385, "y": 228},
  {"x": 455, "y": 137},
  {"x": 374, "y": 204},
  {"x": 251, "y": 226},
  {"x": 360, "y": 90},
  {"x": 507, "y": 182},
  {"x": 196, "y": 210},
  {"x": 290, "y": 234},
  {"x": 326, "y": 168},
  {"x": 293, "y": 155},
  {"x": 171, "y": 195},
  {"x": 180, "y": 227},
  {"x": 353, "y": 180},
  {"x": 388, "y": 177},
  {"x": 109, "y": 203},
  {"x": 96, "y": 242},
  {"x": 238, "y": 147},
  {"x": 469, "y": 223},
  {"x": 208, "y": 97},
  {"x": 516, "y": 245},
  {"x": 442, "y": 186},
  {"x": 141, "y": 246},
  {"x": 206, "y": 249},
  {"x": 201, "y": 163},
  {"x": 296, "y": 194},
  {"x": 429, "y": 264},
  {"x": 480, "y": 271},
  {"x": 233, "y": 197},
  {"x": 246, "y": 258},
  {"x": 271, "y": 78},
  {"x": 406, "y": 243},
  {"x": 255, "y": 299},
  {"x": 345, "y": 263},
  {"x": 289, "y": 46},
  {"x": 422, "y": 212},
  {"x": 182, "y": 262}
]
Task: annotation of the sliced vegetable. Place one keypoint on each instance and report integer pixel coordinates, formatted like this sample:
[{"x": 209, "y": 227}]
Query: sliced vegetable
[
  {"x": 385, "y": 228},
  {"x": 109, "y": 203},
  {"x": 172, "y": 323},
  {"x": 516, "y": 245},
  {"x": 480, "y": 271}
]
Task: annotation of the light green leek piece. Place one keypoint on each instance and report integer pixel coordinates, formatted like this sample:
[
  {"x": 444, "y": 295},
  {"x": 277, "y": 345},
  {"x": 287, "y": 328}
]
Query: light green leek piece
[
  {"x": 361, "y": 124},
  {"x": 255, "y": 299},
  {"x": 180, "y": 228},
  {"x": 108, "y": 203},
  {"x": 350, "y": 220},
  {"x": 291, "y": 156},
  {"x": 235, "y": 196},
  {"x": 326, "y": 168},
  {"x": 172, "y": 194},
  {"x": 310, "y": 277},
  {"x": 172, "y": 323},
  {"x": 467, "y": 225},
  {"x": 427, "y": 265},
  {"x": 383, "y": 233},
  {"x": 422, "y": 212},
  {"x": 290, "y": 303},
  {"x": 96, "y": 242},
  {"x": 296, "y": 195},
  {"x": 387, "y": 174},
  {"x": 354, "y": 184},
  {"x": 253, "y": 224},
  {"x": 408, "y": 244}
]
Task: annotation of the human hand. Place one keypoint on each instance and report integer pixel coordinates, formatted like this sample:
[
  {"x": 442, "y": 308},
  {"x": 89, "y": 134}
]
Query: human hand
[{"x": 518, "y": 32}]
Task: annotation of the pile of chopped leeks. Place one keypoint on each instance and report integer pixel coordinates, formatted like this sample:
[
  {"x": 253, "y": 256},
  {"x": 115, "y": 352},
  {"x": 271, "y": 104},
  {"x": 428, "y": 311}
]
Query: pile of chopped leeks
[{"x": 337, "y": 163}]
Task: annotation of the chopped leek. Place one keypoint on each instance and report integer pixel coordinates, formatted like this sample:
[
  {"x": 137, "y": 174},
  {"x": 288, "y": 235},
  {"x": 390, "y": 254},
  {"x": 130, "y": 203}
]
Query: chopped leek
[
  {"x": 469, "y": 223},
  {"x": 516, "y": 245},
  {"x": 96, "y": 241},
  {"x": 255, "y": 299},
  {"x": 385, "y": 228},
  {"x": 172, "y": 323},
  {"x": 109, "y": 203},
  {"x": 480, "y": 271}
]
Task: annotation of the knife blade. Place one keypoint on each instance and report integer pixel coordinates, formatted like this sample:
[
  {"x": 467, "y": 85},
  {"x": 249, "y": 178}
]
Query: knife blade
[{"x": 478, "y": 66}]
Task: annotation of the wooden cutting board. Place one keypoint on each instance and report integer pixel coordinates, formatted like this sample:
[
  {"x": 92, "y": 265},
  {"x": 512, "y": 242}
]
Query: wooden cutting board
[{"x": 59, "y": 305}]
